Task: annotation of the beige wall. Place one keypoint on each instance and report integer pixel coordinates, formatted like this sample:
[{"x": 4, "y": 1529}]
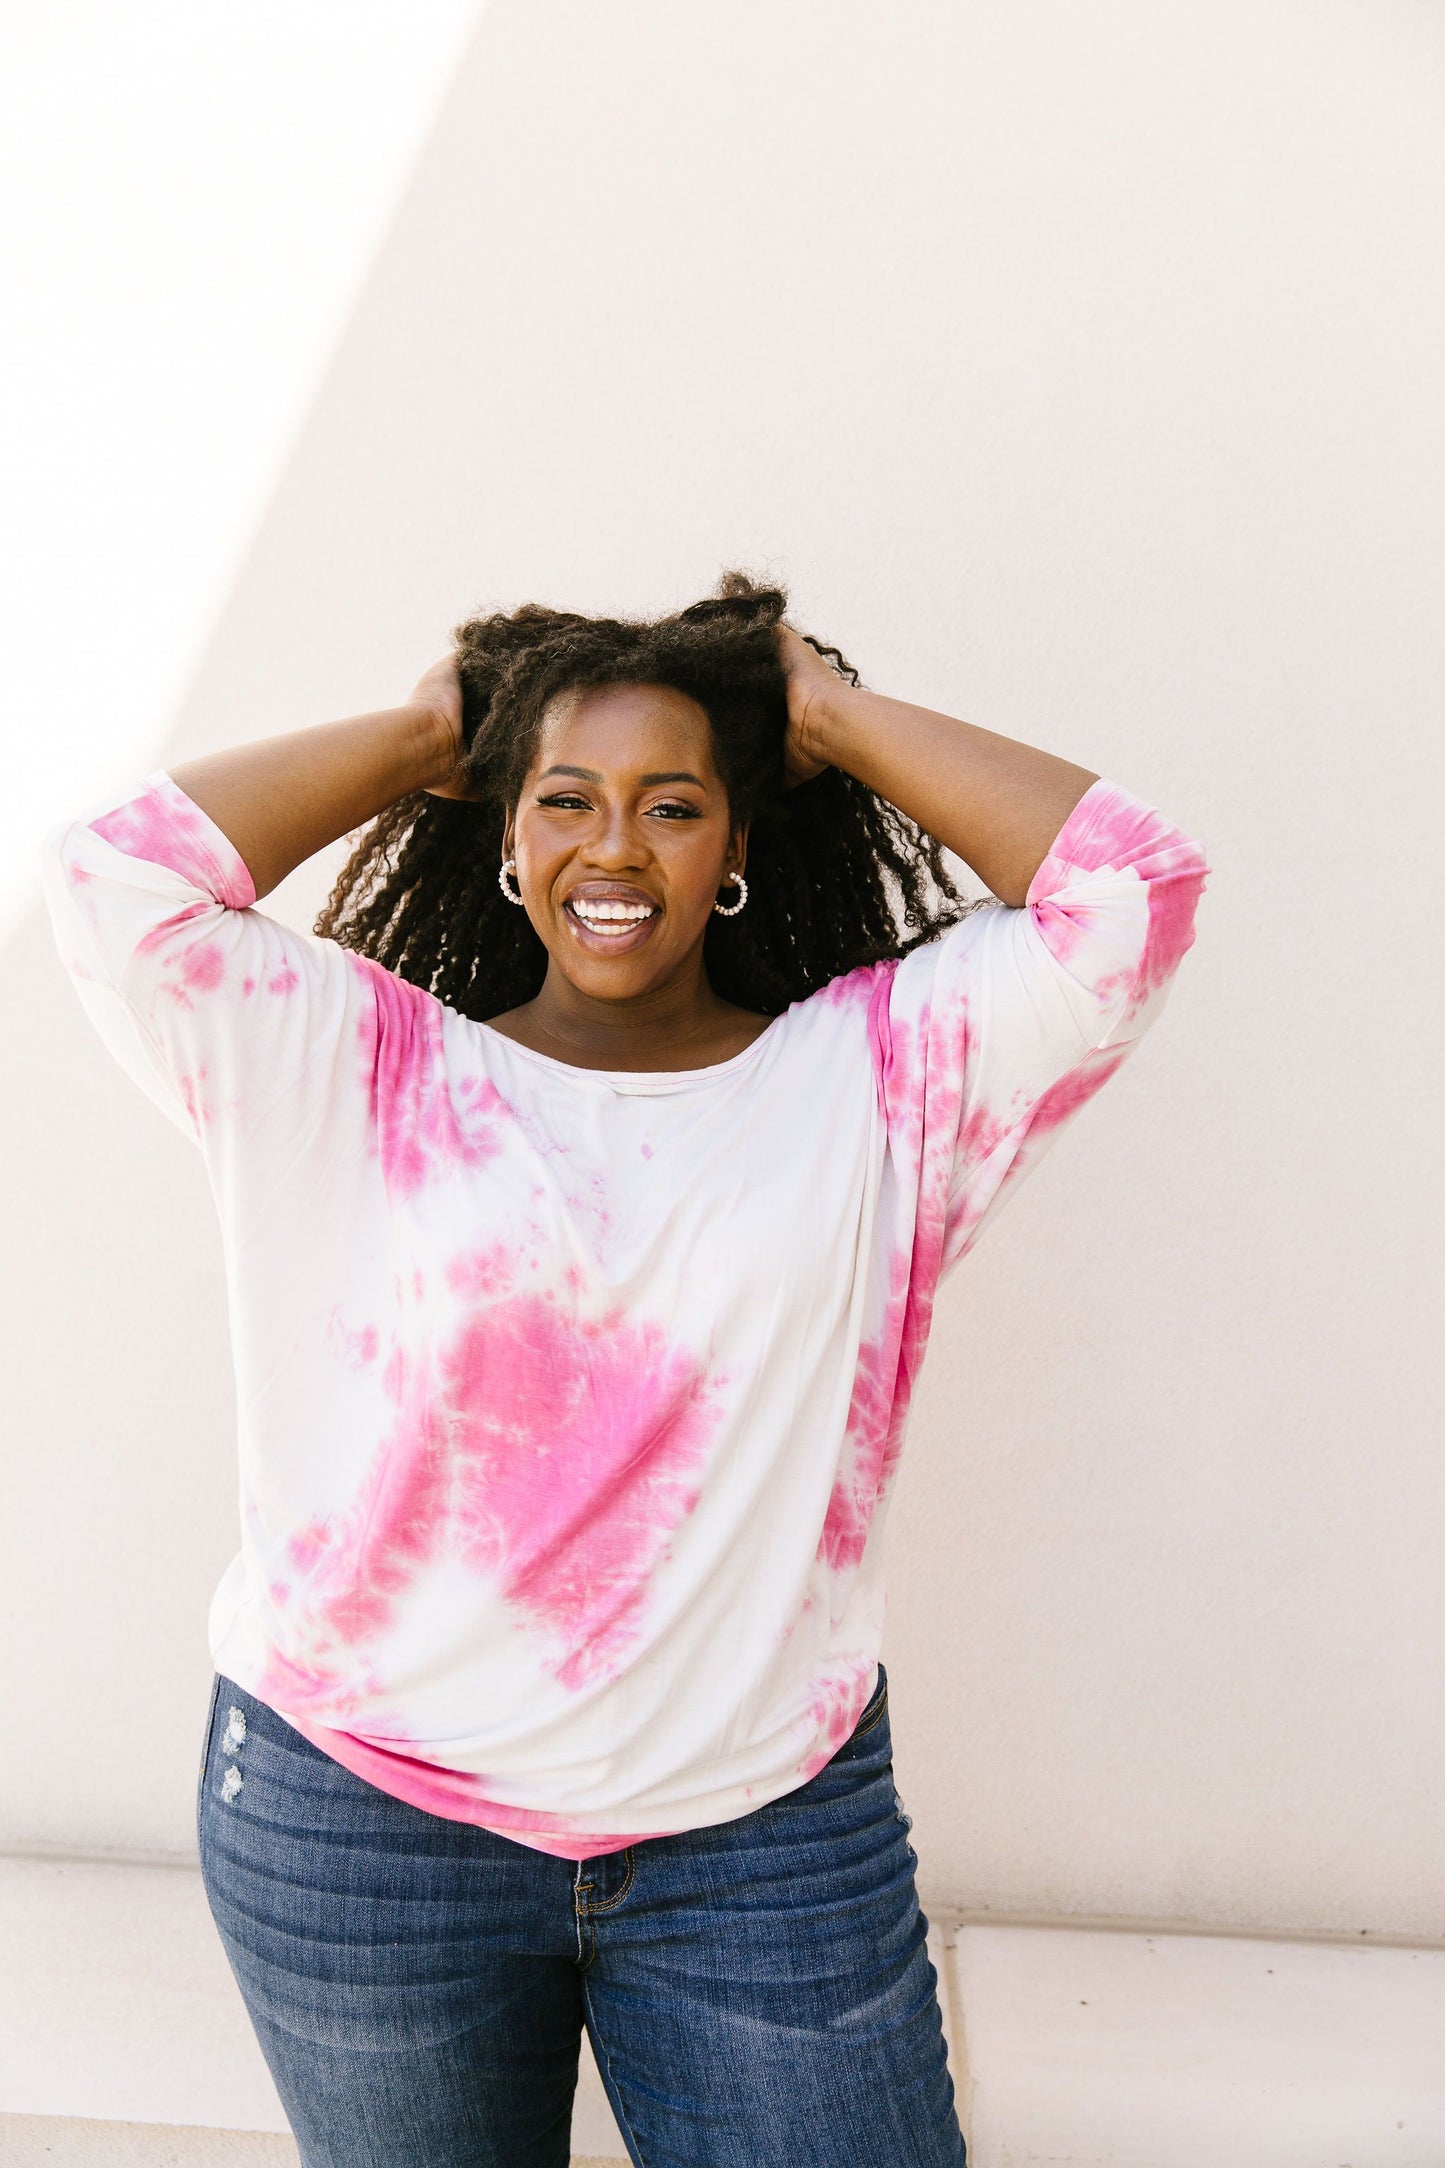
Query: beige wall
[{"x": 1080, "y": 367}]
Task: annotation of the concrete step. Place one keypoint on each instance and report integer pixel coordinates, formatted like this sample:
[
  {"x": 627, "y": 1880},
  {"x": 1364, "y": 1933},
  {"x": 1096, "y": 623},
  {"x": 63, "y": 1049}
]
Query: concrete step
[
  {"x": 47, "y": 2141},
  {"x": 50, "y": 2141},
  {"x": 1090, "y": 2048}
]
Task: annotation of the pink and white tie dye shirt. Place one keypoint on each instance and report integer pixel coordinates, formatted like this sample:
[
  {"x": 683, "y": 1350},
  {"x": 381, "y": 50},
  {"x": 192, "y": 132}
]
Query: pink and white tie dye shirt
[{"x": 569, "y": 1401}]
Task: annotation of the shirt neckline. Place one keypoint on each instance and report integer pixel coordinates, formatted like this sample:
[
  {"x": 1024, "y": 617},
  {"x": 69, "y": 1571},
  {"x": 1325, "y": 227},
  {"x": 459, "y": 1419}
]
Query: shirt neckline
[{"x": 639, "y": 1080}]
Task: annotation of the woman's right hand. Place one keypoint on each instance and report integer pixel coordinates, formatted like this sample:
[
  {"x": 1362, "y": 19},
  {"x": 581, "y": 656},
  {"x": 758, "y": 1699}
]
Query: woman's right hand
[{"x": 439, "y": 690}]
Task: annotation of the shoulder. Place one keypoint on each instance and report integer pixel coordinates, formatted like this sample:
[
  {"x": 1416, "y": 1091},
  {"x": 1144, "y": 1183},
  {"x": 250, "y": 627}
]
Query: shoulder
[
  {"x": 840, "y": 1027},
  {"x": 843, "y": 1005},
  {"x": 901, "y": 981},
  {"x": 849, "y": 991}
]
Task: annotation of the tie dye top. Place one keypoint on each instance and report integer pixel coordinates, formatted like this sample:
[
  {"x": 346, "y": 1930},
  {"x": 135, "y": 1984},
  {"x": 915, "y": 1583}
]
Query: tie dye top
[{"x": 569, "y": 1401}]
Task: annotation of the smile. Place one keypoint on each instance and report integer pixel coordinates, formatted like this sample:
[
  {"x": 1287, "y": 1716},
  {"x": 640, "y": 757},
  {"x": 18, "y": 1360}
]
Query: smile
[{"x": 610, "y": 927}]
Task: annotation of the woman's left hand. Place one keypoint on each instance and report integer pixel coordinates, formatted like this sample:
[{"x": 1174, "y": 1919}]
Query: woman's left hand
[{"x": 809, "y": 676}]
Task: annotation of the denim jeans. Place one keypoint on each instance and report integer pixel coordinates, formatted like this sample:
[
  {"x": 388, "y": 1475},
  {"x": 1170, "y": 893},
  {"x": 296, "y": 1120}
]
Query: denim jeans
[{"x": 757, "y": 1992}]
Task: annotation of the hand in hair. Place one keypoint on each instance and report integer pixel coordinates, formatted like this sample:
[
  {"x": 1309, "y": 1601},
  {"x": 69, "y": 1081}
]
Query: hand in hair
[
  {"x": 440, "y": 690},
  {"x": 807, "y": 674}
]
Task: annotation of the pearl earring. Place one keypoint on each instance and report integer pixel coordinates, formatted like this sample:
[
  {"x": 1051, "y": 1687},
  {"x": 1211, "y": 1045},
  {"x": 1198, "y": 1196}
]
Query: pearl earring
[
  {"x": 509, "y": 865},
  {"x": 731, "y": 910}
]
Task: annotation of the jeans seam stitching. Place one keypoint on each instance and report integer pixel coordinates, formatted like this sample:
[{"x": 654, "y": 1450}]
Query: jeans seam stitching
[
  {"x": 209, "y": 1734},
  {"x": 876, "y": 1718},
  {"x": 582, "y": 1958},
  {"x": 613, "y": 2089},
  {"x": 609, "y": 1904}
]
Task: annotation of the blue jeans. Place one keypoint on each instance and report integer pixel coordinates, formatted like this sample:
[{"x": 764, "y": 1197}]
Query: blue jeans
[{"x": 756, "y": 1992}]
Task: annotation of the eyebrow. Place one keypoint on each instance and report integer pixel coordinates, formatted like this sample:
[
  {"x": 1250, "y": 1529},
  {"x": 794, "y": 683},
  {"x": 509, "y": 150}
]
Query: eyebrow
[{"x": 591, "y": 775}]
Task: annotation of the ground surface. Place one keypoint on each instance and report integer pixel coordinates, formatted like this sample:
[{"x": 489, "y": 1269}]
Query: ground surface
[{"x": 45, "y": 2141}]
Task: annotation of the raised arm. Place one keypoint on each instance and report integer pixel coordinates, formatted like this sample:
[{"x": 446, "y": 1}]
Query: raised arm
[
  {"x": 994, "y": 802},
  {"x": 279, "y": 800}
]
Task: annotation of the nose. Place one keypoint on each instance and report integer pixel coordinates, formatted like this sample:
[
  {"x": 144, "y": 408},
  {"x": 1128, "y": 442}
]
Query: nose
[{"x": 616, "y": 841}]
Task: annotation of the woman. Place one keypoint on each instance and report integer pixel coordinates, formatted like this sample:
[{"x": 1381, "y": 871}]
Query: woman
[{"x": 586, "y": 1180}]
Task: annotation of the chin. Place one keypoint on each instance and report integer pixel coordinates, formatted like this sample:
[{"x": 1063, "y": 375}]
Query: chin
[{"x": 604, "y": 981}]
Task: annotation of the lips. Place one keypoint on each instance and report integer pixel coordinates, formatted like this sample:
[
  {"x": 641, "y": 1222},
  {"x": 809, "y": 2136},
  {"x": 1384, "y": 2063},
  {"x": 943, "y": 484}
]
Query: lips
[{"x": 610, "y": 917}]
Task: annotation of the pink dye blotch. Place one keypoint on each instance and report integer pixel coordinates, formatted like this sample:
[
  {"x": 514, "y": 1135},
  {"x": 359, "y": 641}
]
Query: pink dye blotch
[
  {"x": 555, "y": 1455},
  {"x": 162, "y": 825},
  {"x": 420, "y": 1136}
]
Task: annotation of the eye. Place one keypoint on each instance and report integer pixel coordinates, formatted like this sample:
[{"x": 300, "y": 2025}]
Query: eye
[{"x": 671, "y": 808}]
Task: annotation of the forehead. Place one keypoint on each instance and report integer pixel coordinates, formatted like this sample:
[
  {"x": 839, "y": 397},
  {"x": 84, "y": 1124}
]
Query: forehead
[{"x": 622, "y": 728}]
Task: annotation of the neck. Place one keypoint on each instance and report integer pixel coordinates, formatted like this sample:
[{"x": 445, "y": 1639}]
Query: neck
[{"x": 665, "y": 1021}]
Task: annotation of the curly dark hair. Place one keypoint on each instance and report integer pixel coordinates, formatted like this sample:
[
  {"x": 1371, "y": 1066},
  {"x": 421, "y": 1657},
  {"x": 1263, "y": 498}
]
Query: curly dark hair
[{"x": 837, "y": 876}]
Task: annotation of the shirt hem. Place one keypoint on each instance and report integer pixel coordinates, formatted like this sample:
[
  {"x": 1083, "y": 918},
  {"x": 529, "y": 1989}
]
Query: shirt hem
[{"x": 451, "y": 1794}]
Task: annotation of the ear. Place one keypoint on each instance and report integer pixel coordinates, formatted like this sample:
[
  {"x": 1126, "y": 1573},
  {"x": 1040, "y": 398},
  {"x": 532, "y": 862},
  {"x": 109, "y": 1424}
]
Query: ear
[
  {"x": 508, "y": 846},
  {"x": 738, "y": 845}
]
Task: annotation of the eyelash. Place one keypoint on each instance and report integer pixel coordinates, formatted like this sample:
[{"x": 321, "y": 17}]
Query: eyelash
[{"x": 561, "y": 798}]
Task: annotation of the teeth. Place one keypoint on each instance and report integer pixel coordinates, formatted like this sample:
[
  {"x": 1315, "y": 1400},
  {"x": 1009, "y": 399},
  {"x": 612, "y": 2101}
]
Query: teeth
[{"x": 594, "y": 911}]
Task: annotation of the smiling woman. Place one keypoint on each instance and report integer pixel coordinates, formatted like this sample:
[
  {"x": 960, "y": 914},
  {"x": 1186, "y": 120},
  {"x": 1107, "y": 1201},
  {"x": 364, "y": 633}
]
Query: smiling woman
[
  {"x": 657, "y": 759},
  {"x": 583, "y": 1231}
]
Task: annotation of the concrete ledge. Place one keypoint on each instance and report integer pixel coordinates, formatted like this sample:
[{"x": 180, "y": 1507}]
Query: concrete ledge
[
  {"x": 1101, "y": 2049},
  {"x": 1071, "y": 2048},
  {"x": 42, "y": 2141},
  {"x": 45, "y": 2141}
]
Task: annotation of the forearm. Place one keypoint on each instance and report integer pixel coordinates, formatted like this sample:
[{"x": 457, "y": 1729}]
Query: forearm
[
  {"x": 281, "y": 799},
  {"x": 996, "y": 803}
]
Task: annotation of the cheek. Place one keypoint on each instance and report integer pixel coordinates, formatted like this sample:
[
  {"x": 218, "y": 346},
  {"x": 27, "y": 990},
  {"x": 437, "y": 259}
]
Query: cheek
[
  {"x": 694, "y": 872},
  {"x": 690, "y": 905},
  {"x": 540, "y": 856}
]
